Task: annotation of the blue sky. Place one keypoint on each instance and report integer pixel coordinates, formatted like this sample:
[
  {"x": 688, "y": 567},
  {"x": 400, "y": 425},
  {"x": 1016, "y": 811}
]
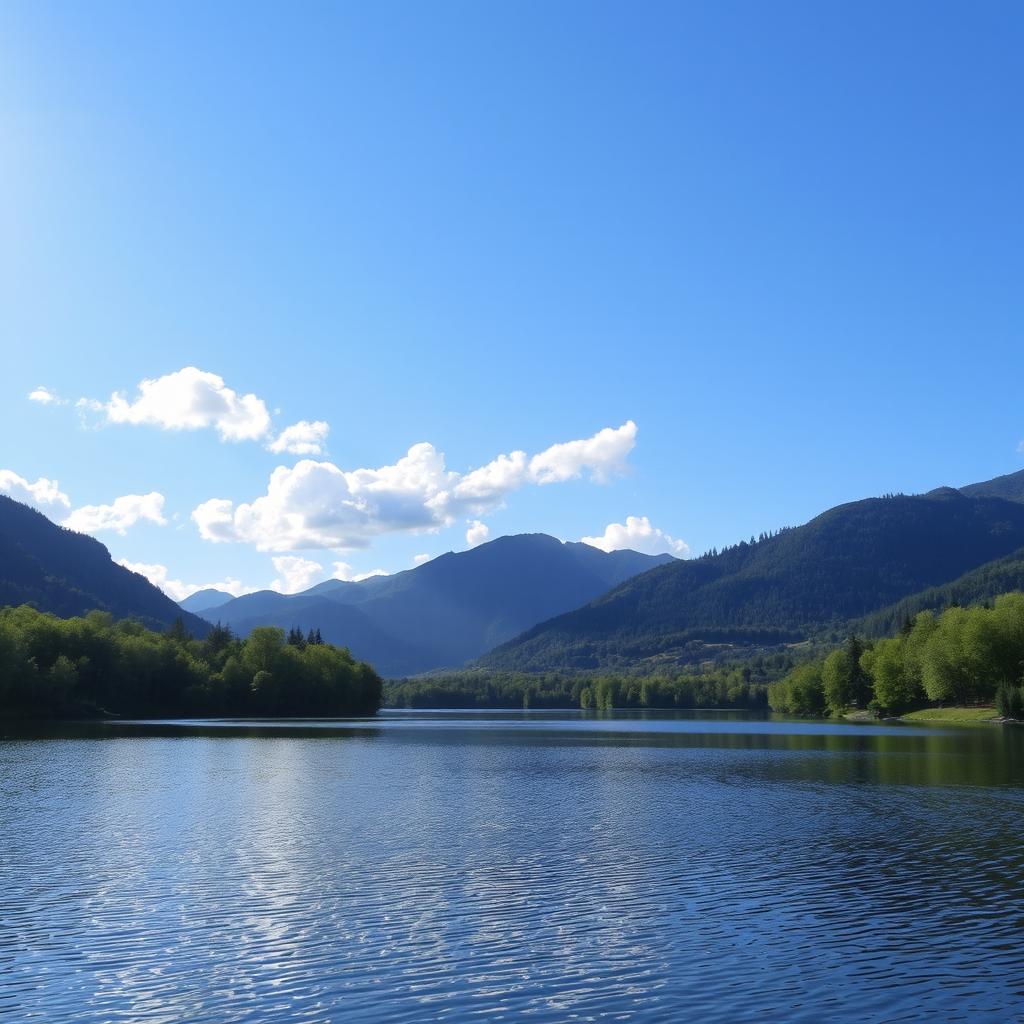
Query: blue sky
[{"x": 783, "y": 240}]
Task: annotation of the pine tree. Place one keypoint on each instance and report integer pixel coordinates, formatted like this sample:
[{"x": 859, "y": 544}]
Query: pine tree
[{"x": 178, "y": 631}]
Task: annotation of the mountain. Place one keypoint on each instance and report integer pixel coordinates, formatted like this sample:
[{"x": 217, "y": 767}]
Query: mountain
[
  {"x": 985, "y": 583},
  {"x": 205, "y": 600},
  {"x": 1010, "y": 487},
  {"x": 846, "y": 563},
  {"x": 68, "y": 573},
  {"x": 450, "y": 609}
]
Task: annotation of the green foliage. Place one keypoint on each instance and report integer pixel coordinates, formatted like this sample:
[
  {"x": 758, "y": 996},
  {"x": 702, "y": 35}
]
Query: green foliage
[
  {"x": 739, "y": 687},
  {"x": 896, "y": 680},
  {"x": 802, "y": 692},
  {"x": 985, "y": 583},
  {"x": 845, "y": 681},
  {"x": 1010, "y": 702},
  {"x": 92, "y": 664},
  {"x": 964, "y": 655}
]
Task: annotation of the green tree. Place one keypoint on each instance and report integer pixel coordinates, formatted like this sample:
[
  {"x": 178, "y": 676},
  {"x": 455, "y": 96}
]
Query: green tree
[
  {"x": 896, "y": 687},
  {"x": 837, "y": 682},
  {"x": 802, "y": 692}
]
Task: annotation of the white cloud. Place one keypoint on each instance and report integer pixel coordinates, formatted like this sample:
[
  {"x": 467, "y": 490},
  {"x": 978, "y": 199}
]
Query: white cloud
[
  {"x": 43, "y": 494},
  {"x": 125, "y": 512},
  {"x": 295, "y": 573},
  {"x": 477, "y": 533},
  {"x": 603, "y": 455},
  {"x": 189, "y": 399},
  {"x": 420, "y": 559},
  {"x": 344, "y": 571},
  {"x": 318, "y": 505},
  {"x": 302, "y": 438},
  {"x": 215, "y": 520},
  {"x": 44, "y": 396},
  {"x": 490, "y": 483},
  {"x": 159, "y": 575},
  {"x": 639, "y": 535}
]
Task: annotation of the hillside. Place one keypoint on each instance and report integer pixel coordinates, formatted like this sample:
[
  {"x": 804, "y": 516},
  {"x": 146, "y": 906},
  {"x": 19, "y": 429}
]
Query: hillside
[
  {"x": 68, "y": 573},
  {"x": 844, "y": 564},
  {"x": 449, "y": 610},
  {"x": 1010, "y": 487},
  {"x": 980, "y": 585}
]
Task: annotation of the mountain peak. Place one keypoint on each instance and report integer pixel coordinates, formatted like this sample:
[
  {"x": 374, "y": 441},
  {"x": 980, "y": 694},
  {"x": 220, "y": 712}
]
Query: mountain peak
[
  {"x": 205, "y": 600},
  {"x": 450, "y": 609},
  {"x": 946, "y": 492}
]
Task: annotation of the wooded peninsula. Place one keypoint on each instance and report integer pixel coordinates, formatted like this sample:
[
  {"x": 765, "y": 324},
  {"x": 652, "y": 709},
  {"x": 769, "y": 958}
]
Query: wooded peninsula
[{"x": 94, "y": 665}]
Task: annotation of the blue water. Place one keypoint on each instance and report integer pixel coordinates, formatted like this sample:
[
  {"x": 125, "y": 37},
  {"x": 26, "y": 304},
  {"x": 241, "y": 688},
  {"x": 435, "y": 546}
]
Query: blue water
[{"x": 543, "y": 866}]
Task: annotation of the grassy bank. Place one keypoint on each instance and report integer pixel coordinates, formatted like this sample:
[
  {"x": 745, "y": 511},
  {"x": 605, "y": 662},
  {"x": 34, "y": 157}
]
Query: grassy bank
[{"x": 953, "y": 716}]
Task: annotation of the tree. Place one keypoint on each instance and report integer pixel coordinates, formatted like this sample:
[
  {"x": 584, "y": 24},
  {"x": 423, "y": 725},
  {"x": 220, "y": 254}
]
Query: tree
[
  {"x": 837, "y": 682},
  {"x": 218, "y": 638},
  {"x": 802, "y": 692},
  {"x": 946, "y": 674},
  {"x": 1010, "y": 702},
  {"x": 58, "y": 666},
  {"x": 263, "y": 649},
  {"x": 178, "y": 632},
  {"x": 896, "y": 686},
  {"x": 844, "y": 680}
]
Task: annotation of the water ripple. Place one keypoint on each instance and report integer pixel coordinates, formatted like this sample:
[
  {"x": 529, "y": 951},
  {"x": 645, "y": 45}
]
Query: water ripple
[{"x": 557, "y": 873}]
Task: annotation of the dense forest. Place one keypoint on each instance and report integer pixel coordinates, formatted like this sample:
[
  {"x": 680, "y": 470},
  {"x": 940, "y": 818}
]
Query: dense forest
[
  {"x": 963, "y": 655},
  {"x": 738, "y": 686},
  {"x": 52, "y": 667},
  {"x": 808, "y": 581},
  {"x": 985, "y": 583}
]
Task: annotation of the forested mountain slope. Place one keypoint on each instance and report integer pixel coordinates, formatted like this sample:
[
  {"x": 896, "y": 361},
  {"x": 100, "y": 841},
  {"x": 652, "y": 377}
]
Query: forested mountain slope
[
  {"x": 981, "y": 585},
  {"x": 851, "y": 560},
  {"x": 1010, "y": 487},
  {"x": 68, "y": 573}
]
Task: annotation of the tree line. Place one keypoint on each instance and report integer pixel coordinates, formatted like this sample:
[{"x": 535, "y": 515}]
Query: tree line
[
  {"x": 961, "y": 656},
  {"x": 89, "y": 665},
  {"x": 737, "y": 686}
]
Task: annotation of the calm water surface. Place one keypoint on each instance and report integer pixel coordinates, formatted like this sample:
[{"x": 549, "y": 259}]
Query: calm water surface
[{"x": 490, "y": 866}]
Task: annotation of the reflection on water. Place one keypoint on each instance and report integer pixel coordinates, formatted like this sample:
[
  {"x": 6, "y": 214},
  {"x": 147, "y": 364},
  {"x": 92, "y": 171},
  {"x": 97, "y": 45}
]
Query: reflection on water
[{"x": 551, "y": 866}]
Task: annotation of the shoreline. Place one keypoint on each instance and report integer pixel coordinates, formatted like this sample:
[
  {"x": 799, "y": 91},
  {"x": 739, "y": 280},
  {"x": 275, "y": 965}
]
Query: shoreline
[{"x": 955, "y": 715}]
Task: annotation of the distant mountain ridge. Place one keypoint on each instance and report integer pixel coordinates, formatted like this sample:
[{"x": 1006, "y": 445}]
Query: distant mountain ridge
[
  {"x": 448, "y": 610},
  {"x": 68, "y": 573},
  {"x": 1010, "y": 487},
  {"x": 205, "y": 600},
  {"x": 846, "y": 563}
]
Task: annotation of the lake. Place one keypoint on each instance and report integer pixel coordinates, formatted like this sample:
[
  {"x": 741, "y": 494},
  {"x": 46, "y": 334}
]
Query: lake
[{"x": 488, "y": 866}]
